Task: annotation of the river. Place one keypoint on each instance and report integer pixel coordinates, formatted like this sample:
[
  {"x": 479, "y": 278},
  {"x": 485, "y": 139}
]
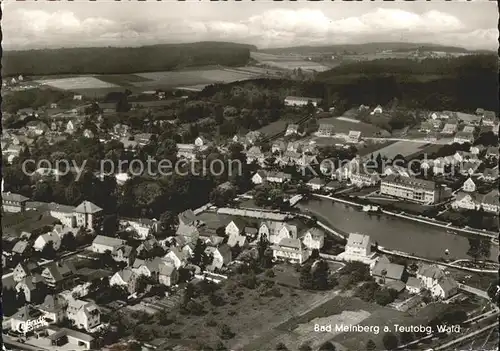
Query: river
[{"x": 393, "y": 233}]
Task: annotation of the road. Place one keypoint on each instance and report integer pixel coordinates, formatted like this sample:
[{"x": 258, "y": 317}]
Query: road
[
  {"x": 14, "y": 345},
  {"x": 420, "y": 141}
]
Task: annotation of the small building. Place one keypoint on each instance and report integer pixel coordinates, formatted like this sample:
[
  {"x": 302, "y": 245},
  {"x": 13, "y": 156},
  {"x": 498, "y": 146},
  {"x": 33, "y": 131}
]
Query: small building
[
  {"x": 125, "y": 254},
  {"x": 489, "y": 118},
  {"x": 255, "y": 154},
  {"x": 125, "y": 278},
  {"x": 53, "y": 308},
  {"x": 301, "y": 101},
  {"x": 314, "y": 239},
  {"x": 413, "y": 285},
  {"x": 101, "y": 244},
  {"x": 24, "y": 269},
  {"x": 292, "y": 250},
  {"x": 64, "y": 336},
  {"x": 201, "y": 142},
  {"x": 490, "y": 174},
  {"x": 178, "y": 257},
  {"x": 354, "y": 137},
  {"x": 445, "y": 288},
  {"x": 362, "y": 178},
  {"x": 430, "y": 275},
  {"x": 58, "y": 274},
  {"x": 221, "y": 256},
  {"x": 86, "y": 213},
  {"x": 27, "y": 319},
  {"x": 469, "y": 186},
  {"x": 490, "y": 202},
  {"x": 464, "y": 138},
  {"x": 292, "y": 129},
  {"x": 77, "y": 97},
  {"x": 358, "y": 245},
  {"x": 167, "y": 274},
  {"x": 44, "y": 239},
  {"x": 449, "y": 129},
  {"x": 186, "y": 151},
  {"x": 84, "y": 315},
  {"x": 325, "y": 130},
  {"x": 143, "y": 227},
  {"x": 377, "y": 110},
  {"x": 316, "y": 183},
  {"x": 13, "y": 202},
  {"x": 385, "y": 272}
]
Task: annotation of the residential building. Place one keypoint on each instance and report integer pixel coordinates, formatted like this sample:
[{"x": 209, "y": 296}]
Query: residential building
[
  {"x": 362, "y": 178},
  {"x": 490, "y": 202},
  {"x": 468, "y": 168},
  {"x": 445, "y": 288},
  {"x": 201, "y": 142},
  {"x": 463, "y": 138},
  {"x": 65, "y": 214},
  {"x": 409, "y": 188},
  {"x": 84, "y": 315},
  {"x": 397, "y": 170},
  {"x": 21, "y": 247},
  {"x": 254, "y": 154},
  {"x": 490, "y": 174},
  {"x": 44, "y": 239},
  {"x": 414, "y": 285},
  {"x": 53, "y": 308},
  {"x": 37, "y": 127},
  {"x": 430, "y": 275},
  {"x": 292, "y": 129},
  {"x": 178, "y": 257},
  {"x": 326, "y": 130},
  {"x": 426, "y": 127},
  {"x": 354, "y": 137},
  {"x": 32, "y": 286},
  {"x": 143, "y": 227},
  {"x": 221, "y": 256},
  {"x": 147, "y": 246},
  {"x": 86, "y": 214},
  {"x": 235, "y": 227},
  {"x": 236, "y": 239},
  {"x": 469, "y": 186},
  {"x": 272, "y": 177},
  {"x": 358, "y": 247},
  {"x": 27, "y": 319},
  {"x": 377, "y": 110},
  {"x": 489, "y": 118},
  {"x": 87, "y": 133},
  {"x": 58, "y": 274},
  {"x": 278, "y": 147},
  {"x": 13, "y": 202},
  {"x": 476, "y": 149},
  {"x": 385, "y": 272},
  {"x": 292, "y": 250},
  {"x": 186, "y": 151},
  {"x": 492, "y": 152},
  {"x": 316, "y": 183},
  {"x": 125, "y": 254},
  {"x": 466, "y": 201},
  {"x": 23, "y": 269},
  {"x": 143, "y": 138},
  {"x": 72, "y": 126},
  {"x": 167, "y": 274},
  {"x": 252, "y": 137},
  {"x": 301, "y": 101},
  {"x": 101, "y": 244},
  {"x": 126, "y": 278},
  {"x": 121, "y": 130},
  {"x": 314, "y": 239},
  {"x": 70, "y": 337},
  {"x": 449, "y": 129}
]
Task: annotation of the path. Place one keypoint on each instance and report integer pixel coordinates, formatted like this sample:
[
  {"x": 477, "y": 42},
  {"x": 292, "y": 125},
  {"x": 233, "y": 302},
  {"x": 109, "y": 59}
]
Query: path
[{"x": 465, "y": 337}]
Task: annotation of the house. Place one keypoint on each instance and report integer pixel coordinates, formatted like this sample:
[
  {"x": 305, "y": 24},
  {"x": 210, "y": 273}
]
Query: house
[
  {"x": 490, "y": 174},
  {"x": 449, "y": 129},
  {"x": 292, "y": 250},
  {"x": 464, "y": 137},
  {"x": 489, "y": 118},
  {"x": 432, "y": 137},
  {"x": 316, "y": 183},
  {"x": 54, "y": 105},
  {"x": 221, "y": 256},
  {"x": 58, "y": 274},
  {"x": 22, "y": 270},
  {"x": 445, "y": 288},
  {"x": 292, "y": 129},
  {"x": 37, "y": 127},
  {"x": 72, "y": 126},
  {"x": 278, "y": 147},
  {"x": 426, "y": 127},
  {"x": 361, "y": 178},
  {"x": 87, "y": 133},
  {"x": 255, "y": 154},
  {"x": 414, "y": 285},
  {"x": 397, "y": 170},
  {"x": 143, "y": 138},
  {"x": 84, "y": 315},
  {"x": 13, "y": 202},
  {"x": 27, "y": 319},
  {"x": 65, "y": 214},
  {"x": 363, "y": 108},
  {"x": 409, "y": 188},
  {"x": 143, "y": 227},
  {"x": 469, "y": 186},
  {"x": 167, "y": 274},
  {"x": 301, "y": 101},
  {"x": 178, "y": 257},
  {"x": 377, "y": 110},
  {"x": 476, "y": 149},
  {"x": 469, "y": 129},
  {"x": 53, "y": 308},
  {"x": 468, "y": 168},
  {"x": 466, "y": 201},
  {"x": 147, "y": 246},
  {"x": 236, "y": 239},
  {"x": 430, "y": 275},
  {"x": 32, "y": 286},
  {"x": 469, "y": 119},
  {"x": 201, "y": 142},
  {"x": 385, "y": 272},
  {"x": 77, "y": 97},
  {"x": 101, "y": 244},
  {"x": 186, "y": 151},
  {"x": 492, "y": 152},
  {"x": 124, "y": 253},
  {"x": 235, "y": 227},
  {"x": 125, "y": 278},
  {"x": 314, "y": 239},
  {"x": 353, "y": 137},
  {"x": 44, "y": 239},
  {"x": 272, "y": 177},
  {"x": 86, "y": 214},
  {"x": 358, "y": 248},
  {"x": 332, "y": 186},
  {"x": 325, "y": 130},
  {"x": 148, "y": 268},
  {"x": 490, "y": 202},
  {"x": 121, "y": 130},
  {"x": 480, "y": 111},
  {"x": 252, "y": 137},
  {"x": 21, "y": 247},
  {"x": 70, "y": 337}
]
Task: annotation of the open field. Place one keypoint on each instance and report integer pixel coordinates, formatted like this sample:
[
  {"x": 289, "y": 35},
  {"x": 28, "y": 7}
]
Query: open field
[
  {"x": 288, "y": 62},
  {"x": 72, "y": 83},
  {"x": 122, "y": 79},
  {"x": 344, "y": 126},
  {"x": 274, "y": 128},
  {"x": 404, "y": 148}
]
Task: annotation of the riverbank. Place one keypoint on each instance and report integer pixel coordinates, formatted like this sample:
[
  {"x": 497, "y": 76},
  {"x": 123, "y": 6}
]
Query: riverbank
[{"x": 420, "y": 219}]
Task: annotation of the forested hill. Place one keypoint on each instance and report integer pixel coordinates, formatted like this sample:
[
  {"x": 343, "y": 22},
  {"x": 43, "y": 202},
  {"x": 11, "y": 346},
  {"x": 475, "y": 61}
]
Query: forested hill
[{"x": 111, "y": 60}]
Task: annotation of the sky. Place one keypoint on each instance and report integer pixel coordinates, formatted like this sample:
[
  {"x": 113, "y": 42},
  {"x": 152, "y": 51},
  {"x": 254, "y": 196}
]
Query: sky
[{"x": 266, "y": 24}]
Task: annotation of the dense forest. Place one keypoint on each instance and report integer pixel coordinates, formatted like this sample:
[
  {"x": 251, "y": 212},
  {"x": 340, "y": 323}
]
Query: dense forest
[
  {"x": 459, "y": 84},
  {"x": 124, "y": 60}
]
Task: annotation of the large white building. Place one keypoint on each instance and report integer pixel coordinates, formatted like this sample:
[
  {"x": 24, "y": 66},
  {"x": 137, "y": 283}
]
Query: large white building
[
  {"x": 300, "y": 101},
  {"x": 358, "y": 248},
  {"x": 413, "y": 189},
  {"x": 292, "y": 250}
]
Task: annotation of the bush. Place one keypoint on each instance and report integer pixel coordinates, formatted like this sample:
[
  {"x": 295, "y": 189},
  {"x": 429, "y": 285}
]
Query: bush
[
  {"x": 226, "y": 333},
  {"x": 281, "y": 347},
  {"x": 270, "y": 273}
]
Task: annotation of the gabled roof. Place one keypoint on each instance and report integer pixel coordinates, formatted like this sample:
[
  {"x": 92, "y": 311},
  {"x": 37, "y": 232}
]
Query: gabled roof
[
  {"x": 290, "y": 243},
  {"x": 236, "y": 240},
  {"x": 20, "y": 246},
  {"x": 27, "y": 312},
  {"x": 316, "y": 233},
  {"x": 431, "y": 271},
  {"x": 52, "y": 303},
  {"x": 166, "y": 268},
  {"x": 60, "y": 271},
  {"x": 88, "y": 207},
  {"x": 8, "y": 196},
  {"x": 491, "y": 198},
  {"x": 358, "y": 240},
  {"x": 108, "y": 241},
  {"x": 448, "y": 284},
  {"x": 388, "y": 270},
  {"x": 316, "y": 181},
  {"x": 126, "y": 275}
]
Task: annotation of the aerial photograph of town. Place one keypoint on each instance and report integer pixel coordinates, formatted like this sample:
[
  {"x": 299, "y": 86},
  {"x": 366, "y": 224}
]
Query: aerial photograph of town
[{"x": 250, "y": 176}]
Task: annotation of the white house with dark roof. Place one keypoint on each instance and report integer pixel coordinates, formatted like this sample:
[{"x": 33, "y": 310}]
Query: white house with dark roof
[
  {"x": 377, "y": 110},
  {"x": 44, "y": 239},
  {"x": 101, "y": 244},
  {"x": 292, "y": 129},
  {"x": 221, "y": 256},
  {"x": 86, "y": 214},
  {"x": 445, "y": 288},
  {"x": 316, "y": 183},
  {"x": 301, "y": 101},
  {"x": 353, "y": 137},
  {"x": 449, "y": 129},
  {"x": 314, "y": 238},
  {"x": 430, "y": 275},
  {"x": 292, "y": 250},
  {"x": 125, "y": 278},
  {"x": 385, "y": 271},
  {"x": 358, "y": 248},
  {"x": 13, "y": 202},
  {"x": 469, "y": 186},
  {"x": 177, "y": 257}
]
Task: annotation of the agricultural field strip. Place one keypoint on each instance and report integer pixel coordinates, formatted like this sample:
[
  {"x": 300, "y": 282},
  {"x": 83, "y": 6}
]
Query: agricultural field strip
[
  {"x": 86, "y": 82},
  {"x": 200, "y": 76},
  {"x": 404, "y": 148}
]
